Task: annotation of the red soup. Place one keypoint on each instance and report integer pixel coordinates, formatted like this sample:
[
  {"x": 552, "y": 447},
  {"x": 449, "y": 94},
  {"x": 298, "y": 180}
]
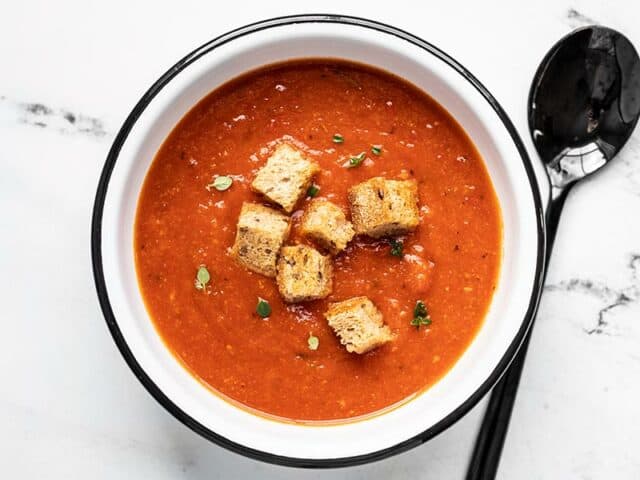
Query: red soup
[{"x": 354, "y": 122}]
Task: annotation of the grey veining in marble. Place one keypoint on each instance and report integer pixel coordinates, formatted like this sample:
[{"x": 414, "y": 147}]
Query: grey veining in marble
[
  {"x": 610, "y": 298},
  {"x": 59, "y": 119},
  {"x": 577, "y": 19}
]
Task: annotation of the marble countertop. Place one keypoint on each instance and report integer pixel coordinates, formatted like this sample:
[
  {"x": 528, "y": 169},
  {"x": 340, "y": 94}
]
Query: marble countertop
[{"x": 70, "y": 407}]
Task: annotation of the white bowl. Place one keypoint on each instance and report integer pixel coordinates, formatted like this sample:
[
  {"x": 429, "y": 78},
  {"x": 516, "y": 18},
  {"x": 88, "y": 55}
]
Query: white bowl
[{"x": 226, "y": 57}]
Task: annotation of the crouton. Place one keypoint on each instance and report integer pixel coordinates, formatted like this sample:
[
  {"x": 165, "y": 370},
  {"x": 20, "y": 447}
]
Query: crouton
[
  {"x": 260, "y": 233},
  {"x": 326, "y": 223},
  {"x": 358, "y": 324},
  {"x": 285, "y": 177},
  {"x": 303, "y": 274},
  {"x": 381, "y": 207}
]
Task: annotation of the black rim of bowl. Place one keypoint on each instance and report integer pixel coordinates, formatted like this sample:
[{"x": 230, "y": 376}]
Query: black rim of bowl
[{"x": 154, "y": 390}]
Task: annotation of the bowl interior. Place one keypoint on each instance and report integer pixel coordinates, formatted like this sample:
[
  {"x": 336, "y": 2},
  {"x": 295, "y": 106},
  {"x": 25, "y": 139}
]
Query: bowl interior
[{"x": 429, "y": 72}]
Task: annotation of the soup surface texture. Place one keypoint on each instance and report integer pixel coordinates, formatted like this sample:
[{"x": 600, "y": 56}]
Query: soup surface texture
[{"x": 450, "y": 262}]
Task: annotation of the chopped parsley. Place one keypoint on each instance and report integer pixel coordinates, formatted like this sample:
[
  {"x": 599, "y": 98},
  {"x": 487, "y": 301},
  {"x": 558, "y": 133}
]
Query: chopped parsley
[
  {"x": 221, "y": 183},
  {"x": 337, "y": 138},
  {"x": 420, "y": 315},
  {"x": 202, "y": 277},
  {"x": 263, "y": 309},
  {"x": 357, "y": 160},
  {"x": 313, "y": 342},
  {"x": 312, "y": 191},
  {"x": 376, "y": 149},
  {"x": 397, "y": 248}
]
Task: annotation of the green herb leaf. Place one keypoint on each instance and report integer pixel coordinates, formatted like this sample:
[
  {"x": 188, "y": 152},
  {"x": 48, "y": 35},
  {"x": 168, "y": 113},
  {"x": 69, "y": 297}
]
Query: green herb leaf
[
  {"x": 357, "y": 160},
  {"x": 420, "y": 315},
  {"x": 263, "y": 308},
  {"x": 376, "y": 149},
  {"x": 397, "y": 248},
  {"x": 337, "y": 138},
  {"x": 313, "y": 342},
  {"x": 221, "y": 183},
  {"x": 417, "y": 321},
  {"x": 420, "y": 309},
  {"x": 202, "y": 277},
  {"x": 312, "y": 191}
]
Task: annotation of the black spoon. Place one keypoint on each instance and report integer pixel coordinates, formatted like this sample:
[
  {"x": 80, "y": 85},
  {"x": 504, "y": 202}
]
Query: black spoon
[{"x": 583, "y": 105}]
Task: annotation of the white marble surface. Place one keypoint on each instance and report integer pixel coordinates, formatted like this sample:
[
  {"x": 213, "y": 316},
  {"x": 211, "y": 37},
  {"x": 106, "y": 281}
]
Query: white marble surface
[{"x": 70, "y": 407}]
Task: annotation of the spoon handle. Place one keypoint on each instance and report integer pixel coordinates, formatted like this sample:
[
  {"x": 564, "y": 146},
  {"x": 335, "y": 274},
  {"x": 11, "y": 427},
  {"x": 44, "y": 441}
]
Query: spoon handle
[{"x": 495, "y": 424}]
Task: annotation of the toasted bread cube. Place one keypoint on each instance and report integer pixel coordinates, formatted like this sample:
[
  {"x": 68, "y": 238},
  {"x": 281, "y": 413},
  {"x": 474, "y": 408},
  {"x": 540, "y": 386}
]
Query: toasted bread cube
[
  {"x": 381, "y": 207},
  {"x": 326, "y": 223},
  {"x": 358, "y": 324},
  {"x": 260, "y": 233},
  {"x": 285, "y": 177},
  {"x": 303, "y": 274}
]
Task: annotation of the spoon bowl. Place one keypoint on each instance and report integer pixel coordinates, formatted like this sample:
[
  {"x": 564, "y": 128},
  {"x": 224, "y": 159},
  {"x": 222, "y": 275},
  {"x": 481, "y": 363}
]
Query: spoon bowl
[{"x": 584, "y": 102}]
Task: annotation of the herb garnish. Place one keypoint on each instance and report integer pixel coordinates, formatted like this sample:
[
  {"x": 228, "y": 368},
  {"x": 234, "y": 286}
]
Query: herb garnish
[
  {"x": 337, "y": 138},
  {"x": 420, "y": 315},
  {"x": 376, "y": 149},
  {"x": 397, "y": 248},
  {"x": 263, "y": 308},
  {"x": 221, "y": 183},
  {"x": 202, "y": 278},
  {"x": 357, "y": 160},
  {"x": 312, "y": 191},
  {"x": 313, "y": 342}
]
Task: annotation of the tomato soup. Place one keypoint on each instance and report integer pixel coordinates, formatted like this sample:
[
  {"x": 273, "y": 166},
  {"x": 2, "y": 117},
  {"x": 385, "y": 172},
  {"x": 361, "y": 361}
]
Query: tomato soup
[{"x": 333, "y": 111}]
